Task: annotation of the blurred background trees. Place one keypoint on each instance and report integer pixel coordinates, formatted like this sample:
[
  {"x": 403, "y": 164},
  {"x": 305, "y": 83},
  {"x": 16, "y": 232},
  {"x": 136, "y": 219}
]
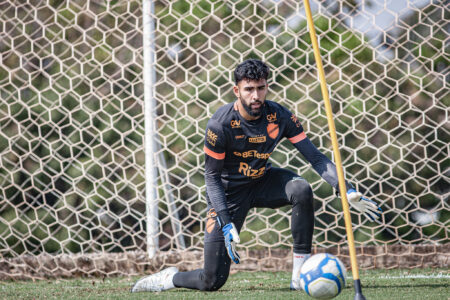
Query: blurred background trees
[{"x": 72, "y": 122}]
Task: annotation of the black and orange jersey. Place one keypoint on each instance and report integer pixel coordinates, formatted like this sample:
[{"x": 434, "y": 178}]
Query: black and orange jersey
[{"x": 237, "y": 150}]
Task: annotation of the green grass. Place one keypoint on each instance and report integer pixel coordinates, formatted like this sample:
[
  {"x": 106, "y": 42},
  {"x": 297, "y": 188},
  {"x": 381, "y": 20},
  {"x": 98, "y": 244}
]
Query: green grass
[{"x": 377, "y": 284}]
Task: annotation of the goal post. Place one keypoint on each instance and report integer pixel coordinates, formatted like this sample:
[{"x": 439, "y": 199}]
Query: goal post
[
  {"x": 151, "y": 173},
  {"x": 154, "y": 158},
  {"x": 81, "y": 90}
]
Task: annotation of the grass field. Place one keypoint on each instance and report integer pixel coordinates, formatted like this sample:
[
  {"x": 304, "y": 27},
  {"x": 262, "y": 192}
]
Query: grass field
[{"x": 377, "y": 284}]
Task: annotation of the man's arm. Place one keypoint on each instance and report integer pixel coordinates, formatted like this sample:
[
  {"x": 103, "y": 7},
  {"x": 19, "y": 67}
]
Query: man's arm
[
  {"x": 214, "y": 160},
  {"x": 214, "y": 186},
  {"x": 215, "y": 144},
  {"x": 327, "y": 170},
  {"x": 323, "y": 166}
]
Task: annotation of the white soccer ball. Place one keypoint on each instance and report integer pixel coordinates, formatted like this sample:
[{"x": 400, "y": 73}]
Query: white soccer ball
[{"x": 322, "y": 276}]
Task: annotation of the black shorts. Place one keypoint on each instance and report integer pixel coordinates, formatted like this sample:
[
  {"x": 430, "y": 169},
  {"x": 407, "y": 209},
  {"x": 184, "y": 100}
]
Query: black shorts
[{"x": 269, "y": 192}]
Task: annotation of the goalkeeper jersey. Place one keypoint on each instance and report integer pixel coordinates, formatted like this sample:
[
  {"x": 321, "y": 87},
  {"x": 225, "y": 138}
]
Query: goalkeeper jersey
[{"x": 237, "y": 150}]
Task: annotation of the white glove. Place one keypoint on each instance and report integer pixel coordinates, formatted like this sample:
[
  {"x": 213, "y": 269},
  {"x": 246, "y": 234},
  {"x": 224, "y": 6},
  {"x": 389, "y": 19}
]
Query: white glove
[
  {"x": 231, "y": 239},
  {"x": 364, "y": 205}
]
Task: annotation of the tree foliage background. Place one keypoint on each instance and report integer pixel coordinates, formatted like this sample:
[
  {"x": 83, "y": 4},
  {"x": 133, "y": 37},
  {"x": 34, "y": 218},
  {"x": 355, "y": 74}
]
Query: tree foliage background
[{"x": 72, "y": 123}]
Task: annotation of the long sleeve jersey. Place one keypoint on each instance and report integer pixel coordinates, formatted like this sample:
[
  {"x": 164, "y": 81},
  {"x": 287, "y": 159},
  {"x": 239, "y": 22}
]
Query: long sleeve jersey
[{"x": 237, "y": 150}]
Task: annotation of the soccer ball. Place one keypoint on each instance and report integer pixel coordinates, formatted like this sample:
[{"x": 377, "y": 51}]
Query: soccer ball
[{"x": 322, "y": 276}]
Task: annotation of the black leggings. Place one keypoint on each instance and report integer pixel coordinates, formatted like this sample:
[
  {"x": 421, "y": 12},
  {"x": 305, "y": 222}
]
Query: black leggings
[
  {"x": 278, "y": 187},
  {"x": 214, "y": 274}
]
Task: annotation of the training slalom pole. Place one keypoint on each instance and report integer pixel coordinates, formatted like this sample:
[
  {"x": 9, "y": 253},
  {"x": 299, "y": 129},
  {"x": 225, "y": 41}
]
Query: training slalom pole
[{"x": 337, "y": 155}]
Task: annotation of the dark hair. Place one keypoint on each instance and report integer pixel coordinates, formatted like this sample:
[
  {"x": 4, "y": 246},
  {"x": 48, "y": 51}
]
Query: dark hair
[{"x": 252, "y": 69}]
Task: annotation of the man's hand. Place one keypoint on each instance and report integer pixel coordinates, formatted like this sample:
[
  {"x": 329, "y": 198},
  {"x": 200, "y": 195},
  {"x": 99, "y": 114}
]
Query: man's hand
[
  {"x": 231, "y": 239},
  {"x": 364, "y": 205}
]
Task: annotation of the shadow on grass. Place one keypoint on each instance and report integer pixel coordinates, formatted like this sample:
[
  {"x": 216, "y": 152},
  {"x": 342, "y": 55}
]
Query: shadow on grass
[
  {"x": 247, "y": 289},
  {"x": 286, "y": 289},
  {"x": 409, "y": 285}
]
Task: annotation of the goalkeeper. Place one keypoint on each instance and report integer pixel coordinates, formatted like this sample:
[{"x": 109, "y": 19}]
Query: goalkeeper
[{"x": 239, "y": 139}]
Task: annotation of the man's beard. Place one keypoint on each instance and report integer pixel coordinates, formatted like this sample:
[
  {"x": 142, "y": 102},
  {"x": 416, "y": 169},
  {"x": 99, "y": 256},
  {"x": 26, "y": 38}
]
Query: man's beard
[{"x": 257, "y": 112}]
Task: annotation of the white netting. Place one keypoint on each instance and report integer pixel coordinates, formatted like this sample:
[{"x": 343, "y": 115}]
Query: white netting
[{"x": 72, "y": 121}]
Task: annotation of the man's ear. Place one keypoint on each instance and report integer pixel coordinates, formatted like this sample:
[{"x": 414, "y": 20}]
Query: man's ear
[{"x": 236, "y": 91}]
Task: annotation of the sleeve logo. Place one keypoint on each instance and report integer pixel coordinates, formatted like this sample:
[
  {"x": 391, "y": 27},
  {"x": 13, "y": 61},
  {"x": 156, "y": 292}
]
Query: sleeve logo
[
  {"x": 295, "y": 120},
  {"x": 211, "y": 220},
  {"x": 210, "y": 223},
  {"x": 211, "y": 137}
]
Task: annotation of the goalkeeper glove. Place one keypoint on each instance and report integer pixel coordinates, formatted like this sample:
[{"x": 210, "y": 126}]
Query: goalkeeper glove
[
  {"x": 364, "y": 205},
  {"x": 231, "y": 239}
]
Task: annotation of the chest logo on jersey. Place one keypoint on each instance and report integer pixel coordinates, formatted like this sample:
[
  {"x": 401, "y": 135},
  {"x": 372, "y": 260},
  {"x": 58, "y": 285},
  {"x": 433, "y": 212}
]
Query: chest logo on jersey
[
  {"x": 211, "y": 137},
  {"x": 272, "y": 117},
  {"x": 235, "y": 123},
  {"x": 272, "y": 130},
  {"x": 257, "y": 139},
  {"x": 239, "y": 137}
]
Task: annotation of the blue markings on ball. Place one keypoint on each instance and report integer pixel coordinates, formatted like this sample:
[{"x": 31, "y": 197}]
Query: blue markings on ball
[
  {"x": 317, "y": 273},
  {"x": 341, "y": 273},
  {"x": 334, "y": 278}
]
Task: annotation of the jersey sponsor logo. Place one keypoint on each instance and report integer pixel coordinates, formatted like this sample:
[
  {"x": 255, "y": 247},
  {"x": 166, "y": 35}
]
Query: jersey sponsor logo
[
  {"x": 235, "y": 123},
  {"x": 211, "y": 137},
  {"x": 295, "y": 120},
  {"x": 238, "y": 137},
  {"x": 257, "y": 139},
  {"x": 272, "y": 130},
  {"x": 272, "y": 117},
  {"x": 252, "y": 153},
  {"x": 247, "y": 170}
]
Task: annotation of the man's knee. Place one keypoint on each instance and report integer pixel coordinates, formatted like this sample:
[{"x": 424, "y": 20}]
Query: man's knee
[
  {"x": 213, "y": 283},
  {"x": 300, "y": 192}
]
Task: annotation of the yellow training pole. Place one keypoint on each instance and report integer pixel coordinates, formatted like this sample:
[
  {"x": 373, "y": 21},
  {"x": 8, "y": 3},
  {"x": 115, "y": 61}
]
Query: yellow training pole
[{"x": 337, "y": 155}]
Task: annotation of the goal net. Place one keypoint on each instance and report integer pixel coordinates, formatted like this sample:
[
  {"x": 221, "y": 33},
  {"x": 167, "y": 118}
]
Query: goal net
[{"x": 72, "y": 128}]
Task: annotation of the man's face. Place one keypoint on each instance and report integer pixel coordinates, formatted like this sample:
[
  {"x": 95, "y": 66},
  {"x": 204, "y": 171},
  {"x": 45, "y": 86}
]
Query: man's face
[{"x": 251, "y": 94}]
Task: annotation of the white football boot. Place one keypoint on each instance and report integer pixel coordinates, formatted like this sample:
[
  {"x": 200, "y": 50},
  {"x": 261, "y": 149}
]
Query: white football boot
[
  {"x": 156, "y": 282},
  {"x": 297, "y": 263},
  {"x": 295, "y": 285}
]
